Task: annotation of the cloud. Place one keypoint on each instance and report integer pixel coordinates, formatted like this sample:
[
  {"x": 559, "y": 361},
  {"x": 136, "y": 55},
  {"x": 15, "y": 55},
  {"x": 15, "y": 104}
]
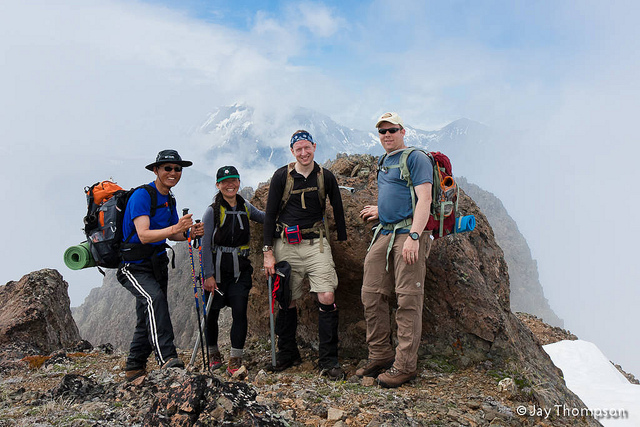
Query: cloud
[
  {"x": 316, "y": 17},
  {"x": 84, "y": 81},
  {"x": 81, "y": 78}
]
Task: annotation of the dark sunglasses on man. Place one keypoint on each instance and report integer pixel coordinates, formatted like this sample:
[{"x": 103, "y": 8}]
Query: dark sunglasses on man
[
  {"x": 172, "y": 168},
  {"x": 390, "y": 130}
]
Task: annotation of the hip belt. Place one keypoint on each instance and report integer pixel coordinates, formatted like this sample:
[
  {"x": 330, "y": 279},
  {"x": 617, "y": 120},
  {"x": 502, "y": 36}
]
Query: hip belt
[
  {"x": 319, "y": 229},
  {"x": 235, "y": 251},
  {"x": 405, "y": 224}
]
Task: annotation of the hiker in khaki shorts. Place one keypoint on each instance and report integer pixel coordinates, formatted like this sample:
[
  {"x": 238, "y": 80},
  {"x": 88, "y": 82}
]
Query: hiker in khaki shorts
[
  {"x": 396, "y": 261},
  {"x": 295, "y": 230}
]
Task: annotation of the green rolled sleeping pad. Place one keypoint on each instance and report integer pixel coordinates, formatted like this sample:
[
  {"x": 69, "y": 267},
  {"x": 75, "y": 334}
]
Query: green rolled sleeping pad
[{"x": 78, "y": 257}]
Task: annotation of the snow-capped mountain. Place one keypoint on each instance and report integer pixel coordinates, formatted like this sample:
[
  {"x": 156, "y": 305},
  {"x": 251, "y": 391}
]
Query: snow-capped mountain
[{"x": 261, "y": 138}]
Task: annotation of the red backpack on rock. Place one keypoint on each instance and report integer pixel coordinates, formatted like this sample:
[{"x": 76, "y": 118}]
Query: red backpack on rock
[{"x": 444, "y": 191}]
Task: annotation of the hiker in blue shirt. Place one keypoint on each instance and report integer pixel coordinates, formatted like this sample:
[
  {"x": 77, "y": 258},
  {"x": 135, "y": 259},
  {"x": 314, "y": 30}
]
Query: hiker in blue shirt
[
  {"x": 396, "y": 261},
  {"x": 144, "y": 270}
]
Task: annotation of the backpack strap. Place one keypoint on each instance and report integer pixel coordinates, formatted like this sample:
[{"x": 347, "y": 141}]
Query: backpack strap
[
  {"x": 288, "y": 186},
  {"x": 321, "y": 191},
  {"x": 234, "y": 251},
  {"x": 321, "y": 228},
  {"x": 288, "y": 189},
  {"x": 224, "y": 212},
  {"x": 404, "y": 170},
  {"x": 154, "y": 204}
]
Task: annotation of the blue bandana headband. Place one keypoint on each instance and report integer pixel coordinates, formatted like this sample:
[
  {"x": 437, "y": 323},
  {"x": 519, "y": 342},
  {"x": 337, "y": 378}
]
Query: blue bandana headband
[{"x": 299, "y": 136}]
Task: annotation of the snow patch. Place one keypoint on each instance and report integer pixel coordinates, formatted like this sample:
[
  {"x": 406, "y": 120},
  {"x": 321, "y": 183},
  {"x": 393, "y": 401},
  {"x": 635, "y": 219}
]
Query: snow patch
[{"x": 590, "y": 375}]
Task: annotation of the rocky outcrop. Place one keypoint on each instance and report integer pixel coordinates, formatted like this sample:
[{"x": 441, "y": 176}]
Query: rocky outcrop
[
  {"x": 467, "y": 317},
  {"x": 184, "y": 399},
  {"x": 527, "y": 294},
  {"x": 545, "y": 333},
  {"x": 35, "y": 315}
]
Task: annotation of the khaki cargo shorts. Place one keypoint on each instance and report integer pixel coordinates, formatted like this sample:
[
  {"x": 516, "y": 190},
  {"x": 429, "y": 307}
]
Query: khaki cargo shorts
[{"x": 306, "y": 259}]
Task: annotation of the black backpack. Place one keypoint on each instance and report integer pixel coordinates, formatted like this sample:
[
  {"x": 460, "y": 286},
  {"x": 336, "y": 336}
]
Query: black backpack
[{"x": 106, "y": 203}]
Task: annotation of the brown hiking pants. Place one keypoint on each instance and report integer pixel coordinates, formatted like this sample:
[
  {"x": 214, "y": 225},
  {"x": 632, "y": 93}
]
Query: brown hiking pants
[{"x": 407, "y": 281}]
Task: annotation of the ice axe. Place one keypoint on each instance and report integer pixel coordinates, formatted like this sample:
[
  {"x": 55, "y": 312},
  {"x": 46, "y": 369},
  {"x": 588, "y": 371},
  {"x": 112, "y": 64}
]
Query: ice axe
[{"x": 271, "y": 323}]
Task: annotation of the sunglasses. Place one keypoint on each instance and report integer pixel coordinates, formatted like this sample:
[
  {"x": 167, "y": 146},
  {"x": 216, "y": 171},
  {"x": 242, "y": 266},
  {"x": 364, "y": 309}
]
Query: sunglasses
[
  {"x": 172, "y": 168},
  {"x": 390, "y": 130}
]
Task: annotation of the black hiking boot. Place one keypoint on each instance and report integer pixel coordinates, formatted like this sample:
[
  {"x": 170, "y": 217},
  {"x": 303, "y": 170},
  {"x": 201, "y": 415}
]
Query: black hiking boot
[
  {"x": 286, "y": 326},
  {"x": 282, "y": 364},
  {"x": 335, "y": 373}
]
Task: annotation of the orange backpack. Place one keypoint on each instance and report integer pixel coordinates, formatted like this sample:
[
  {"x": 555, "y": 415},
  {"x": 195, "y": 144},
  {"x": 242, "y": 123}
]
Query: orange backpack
[{"x": 106, "y": 203}]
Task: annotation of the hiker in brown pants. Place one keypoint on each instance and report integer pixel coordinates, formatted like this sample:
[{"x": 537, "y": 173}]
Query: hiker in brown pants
[{"x": 396, "y": 261}]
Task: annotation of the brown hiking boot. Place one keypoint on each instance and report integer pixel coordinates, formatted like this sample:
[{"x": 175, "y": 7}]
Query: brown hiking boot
[
  {"x": 393, "y": 378},
  {"x": 373, "y": 367},
  {"x": 234, "y": 364},
  {"x": 134, "y": 373},
  {"x": 216, "y": 360}
]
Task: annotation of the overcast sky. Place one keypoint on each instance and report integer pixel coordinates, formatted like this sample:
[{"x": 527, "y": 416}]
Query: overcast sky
[{"x": 79, "y": 79}]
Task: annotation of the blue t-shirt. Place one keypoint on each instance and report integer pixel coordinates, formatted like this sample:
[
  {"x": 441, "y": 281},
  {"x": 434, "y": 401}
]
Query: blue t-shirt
[
  {"x": 394, "y": 196},
  {"x": 139, "y": 204}
]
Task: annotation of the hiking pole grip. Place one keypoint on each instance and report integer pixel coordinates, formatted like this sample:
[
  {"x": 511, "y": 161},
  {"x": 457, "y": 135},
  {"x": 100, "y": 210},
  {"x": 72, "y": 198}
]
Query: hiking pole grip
[
  {"x": 186, "y": 234},
  {"x": 197, "y": 240}
]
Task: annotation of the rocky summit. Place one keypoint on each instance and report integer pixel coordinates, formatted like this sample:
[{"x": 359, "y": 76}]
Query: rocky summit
[
  {"x": 471, "y": 339},
  {"x": 85, "y": 386}
]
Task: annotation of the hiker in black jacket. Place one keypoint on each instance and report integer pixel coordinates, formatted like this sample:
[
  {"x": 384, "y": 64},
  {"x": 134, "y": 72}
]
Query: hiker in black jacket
[
  {"x": 295, "y": 231},
  {"x": 227, "y": 268}
]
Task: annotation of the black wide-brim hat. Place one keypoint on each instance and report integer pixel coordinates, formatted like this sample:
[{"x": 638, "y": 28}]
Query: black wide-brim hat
[{"x": 169, "y": 156}]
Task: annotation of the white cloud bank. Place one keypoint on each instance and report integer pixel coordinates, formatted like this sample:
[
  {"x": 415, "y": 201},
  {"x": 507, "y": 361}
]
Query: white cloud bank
[{"x": 80, "y": 78}]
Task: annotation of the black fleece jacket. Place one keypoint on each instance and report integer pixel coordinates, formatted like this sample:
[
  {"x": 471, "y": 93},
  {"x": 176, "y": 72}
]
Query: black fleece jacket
[{"x": 293, "y": 213}]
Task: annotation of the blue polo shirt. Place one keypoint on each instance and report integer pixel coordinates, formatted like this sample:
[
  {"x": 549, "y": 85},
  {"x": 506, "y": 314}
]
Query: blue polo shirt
[
  {"x": 394, "y": 196},
  {"x": 139, "y": 204}
]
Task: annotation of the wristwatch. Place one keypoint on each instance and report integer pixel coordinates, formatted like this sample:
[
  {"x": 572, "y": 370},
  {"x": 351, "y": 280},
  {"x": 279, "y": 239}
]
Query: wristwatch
[
  {"x": 267, "y": 248},
  {"x": 414, "y": 235}
]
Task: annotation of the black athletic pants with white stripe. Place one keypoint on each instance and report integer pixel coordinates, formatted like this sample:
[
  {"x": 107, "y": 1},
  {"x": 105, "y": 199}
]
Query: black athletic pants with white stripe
[{"x": 153, "y": 331}]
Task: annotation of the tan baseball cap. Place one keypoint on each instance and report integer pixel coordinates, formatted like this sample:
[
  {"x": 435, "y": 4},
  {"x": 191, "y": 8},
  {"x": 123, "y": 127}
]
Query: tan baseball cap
[{"x": 392, "y": 118}]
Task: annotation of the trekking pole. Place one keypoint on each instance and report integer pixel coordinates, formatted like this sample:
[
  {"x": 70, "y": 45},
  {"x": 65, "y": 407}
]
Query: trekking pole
[
  {"x": 204, "y": 305},
  {"x": 271, "y": 323},
  {"x": 194, "y": 353},
  {"x": 185, "y": 211},
  {"x": 207, "y": 308}
]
